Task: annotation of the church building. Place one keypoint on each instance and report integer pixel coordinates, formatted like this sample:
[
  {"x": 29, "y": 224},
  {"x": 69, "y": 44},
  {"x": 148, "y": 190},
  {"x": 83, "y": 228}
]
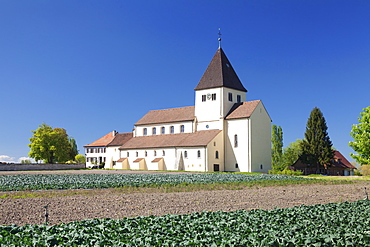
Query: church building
[{"x": 221, "y": 132}]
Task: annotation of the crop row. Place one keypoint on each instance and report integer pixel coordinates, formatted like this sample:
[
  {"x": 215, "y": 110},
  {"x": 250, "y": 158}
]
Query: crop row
[
  {"x": 90, "y": 181},
  {"x": 336, "y": 224}
]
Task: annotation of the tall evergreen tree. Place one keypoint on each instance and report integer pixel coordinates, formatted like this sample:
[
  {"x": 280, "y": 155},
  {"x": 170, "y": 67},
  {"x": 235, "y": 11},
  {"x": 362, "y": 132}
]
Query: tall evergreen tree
[
  {"x": 316, "y": 146},
  {"x": 277, "y": 148}
]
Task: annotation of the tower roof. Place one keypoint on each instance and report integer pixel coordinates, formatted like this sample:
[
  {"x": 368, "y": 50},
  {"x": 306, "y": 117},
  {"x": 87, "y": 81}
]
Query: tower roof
[{"x": 220, "y": 73}]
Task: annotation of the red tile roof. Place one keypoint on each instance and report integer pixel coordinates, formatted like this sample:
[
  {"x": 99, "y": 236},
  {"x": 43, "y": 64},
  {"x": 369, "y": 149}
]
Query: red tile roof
[
  {"x": 111, "y": 140},
  {"x": 341, "y": 161},
  {"x": 103, "y": 141},
  {"x": 121, "y": 159},
  {"x": 157, "y": 160},
  {"x": 168, "y": 116},
  {"x": 242, "y": 110},
  {"x": 199, "y": 138},
  {"x": 138, "y": 160},
  {"x": 220, "y": 73}
]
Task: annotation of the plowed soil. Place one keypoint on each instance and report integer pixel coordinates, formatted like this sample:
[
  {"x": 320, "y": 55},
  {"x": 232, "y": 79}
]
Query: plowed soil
[{"x": 108, "y": 203}]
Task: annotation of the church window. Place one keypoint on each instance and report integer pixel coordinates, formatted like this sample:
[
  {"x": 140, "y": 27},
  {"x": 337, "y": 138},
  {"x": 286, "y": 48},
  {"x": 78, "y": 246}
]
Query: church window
[
  {"x": 204, "y": 98},
  {"x": 172, "y": 129},
  {"x": 146, "y": 153},
  {"x": 154, "y": 131},
  {"x": 236, "y": 141},
  {"x": 261, "y": 167},
  {"x": 128, "y": 154},
  {"x": 182, "y": 128},
  {"x": 145, "y": 131},
  {"x": 230, "y": 97},
  {"x": 216, "y": 154},
  {"x": 236, "y": 165},
  {"x": 213, "y": 96},
  {"x": 163, "y": 130},
  {"x": 137, "y": 154},
  {"x": 238, "y": 98},
  {"x": 155, "y": 153},
  {"x": 164, "y": 153},
  {"x": 198, "y": 153},
  {"x": 185, "y": 154}
]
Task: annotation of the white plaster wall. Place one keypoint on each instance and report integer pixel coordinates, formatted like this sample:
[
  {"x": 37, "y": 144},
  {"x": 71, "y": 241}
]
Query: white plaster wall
[
  {"x": 260, "y": 140},
  {"x": 94, "y": 155},
  {"x": 188, "y": 128},
  {"x": 192, "y": 162},
  {"x": 228, "y": 104},
  {"x": 208, "y": 110},
  {"x": 241, "y": 153},
  {"x": 112, "y": 154}
]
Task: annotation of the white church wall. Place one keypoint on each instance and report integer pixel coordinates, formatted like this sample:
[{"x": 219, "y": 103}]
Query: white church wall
[
  {"x": 112, "y": 154},
  {"x": 260, "y": 140},
  {"x": 237, "y": 157},
  {"x": 188, "y": 128}
]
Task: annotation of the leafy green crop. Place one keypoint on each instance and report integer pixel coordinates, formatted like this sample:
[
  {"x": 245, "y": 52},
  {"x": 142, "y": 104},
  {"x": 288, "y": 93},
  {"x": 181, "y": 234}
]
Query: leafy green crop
[
  {"x": 335, "y": 224},
  {"x": 91, "y": 181}
]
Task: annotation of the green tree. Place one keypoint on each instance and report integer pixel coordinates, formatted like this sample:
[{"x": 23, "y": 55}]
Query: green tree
[
  {"x": 74, "y": 150},
  {"x": 80, "y": 158},
  {"x": 316, "y": 146},
  {"x": 292, "y": 153},
  {"x": 361, "y": 138},
  {"x": 50, "y": 145},
  {"x": 277, "y": 148}
]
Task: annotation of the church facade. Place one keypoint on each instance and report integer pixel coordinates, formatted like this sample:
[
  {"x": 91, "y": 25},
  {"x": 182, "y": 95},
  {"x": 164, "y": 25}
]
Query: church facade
[{"x": 221, "y": 132}]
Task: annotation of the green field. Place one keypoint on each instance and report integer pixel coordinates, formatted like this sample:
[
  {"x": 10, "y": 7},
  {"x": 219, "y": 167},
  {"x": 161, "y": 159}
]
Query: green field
[{"x": 335, "y": 224}]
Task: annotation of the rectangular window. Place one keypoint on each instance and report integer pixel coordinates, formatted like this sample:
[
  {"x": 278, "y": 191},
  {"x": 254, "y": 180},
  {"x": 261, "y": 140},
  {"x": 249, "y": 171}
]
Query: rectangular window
[
  {"x": 236, "y": 141},
  {"x": 204, "y": 98},
  {"x": 213, "y": 96},
  {"x": 230, "y": 97},
  {"x": 238, "y": 98}
]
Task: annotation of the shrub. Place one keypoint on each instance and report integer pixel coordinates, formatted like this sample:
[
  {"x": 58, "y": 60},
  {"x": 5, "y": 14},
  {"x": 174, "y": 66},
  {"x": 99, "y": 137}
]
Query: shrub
[{"x": 286, "y": 171}]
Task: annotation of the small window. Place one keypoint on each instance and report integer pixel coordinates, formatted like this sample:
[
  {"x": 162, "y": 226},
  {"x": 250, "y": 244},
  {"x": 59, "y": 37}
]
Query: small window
[
  {"x": 238, "y": 98},
  {"x": 204, "y": 98},
  {"x": 145, "y": 131},
  {"x": 230, "y": 97},
  {"x": 137, "y": 154},
  {"x": 213, "y": 96},
  {"x": 198, "y": 153},
  {"x": 128, "y": 154},
  {"x": 163, "y": 153},
  {"x": 214, "y": 144},
  {"x": 163, "y": 130},
  {"x": 236, "y": 165},
  {"x": 154, "y": 131},
  {"x": 216, "y": 155},
  {"x": 146, "y": 153},
  {"x": 182, "y": 128},
  {"x": 172, "y": 129},
  {"x": 155, "y": 153},
  {"x": 235, "y": 140},
  {"x": 261, "y": 167},
  {"x": 185, "y": 154}
]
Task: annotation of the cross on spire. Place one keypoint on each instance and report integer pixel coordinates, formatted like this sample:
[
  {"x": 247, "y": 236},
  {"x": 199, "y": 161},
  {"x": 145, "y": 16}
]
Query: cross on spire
[{"x": 219, "y": 38}]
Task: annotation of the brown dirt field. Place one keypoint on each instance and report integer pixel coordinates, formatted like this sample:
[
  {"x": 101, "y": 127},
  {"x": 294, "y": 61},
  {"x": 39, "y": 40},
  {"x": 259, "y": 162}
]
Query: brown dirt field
[{"x": 114, "y": 204}]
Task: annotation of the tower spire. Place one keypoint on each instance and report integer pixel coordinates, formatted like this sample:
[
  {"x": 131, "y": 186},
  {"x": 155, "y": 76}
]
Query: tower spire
[{"x": 219, "y": 38}]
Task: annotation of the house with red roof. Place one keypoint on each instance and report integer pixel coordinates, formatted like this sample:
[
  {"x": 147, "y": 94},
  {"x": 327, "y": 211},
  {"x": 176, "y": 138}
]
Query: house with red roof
[
  {"x": 339, "y": 166},
  {"x": 221, "y": 132}
]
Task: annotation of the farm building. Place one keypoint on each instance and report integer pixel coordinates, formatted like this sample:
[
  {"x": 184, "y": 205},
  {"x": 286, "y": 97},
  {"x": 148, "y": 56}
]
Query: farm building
[
  {"x": 339, "y": 166},
  {"x": 221, "y": 132}
]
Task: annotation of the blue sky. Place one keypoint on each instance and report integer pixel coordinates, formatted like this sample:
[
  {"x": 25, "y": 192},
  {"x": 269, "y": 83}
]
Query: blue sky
[{"x": 96, "y": 66}]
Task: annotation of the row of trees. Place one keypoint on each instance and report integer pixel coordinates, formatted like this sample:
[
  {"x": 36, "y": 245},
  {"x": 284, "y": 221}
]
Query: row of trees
[
  {"x": 52, "y": 145},
  {"x": 316, "y": 147}
]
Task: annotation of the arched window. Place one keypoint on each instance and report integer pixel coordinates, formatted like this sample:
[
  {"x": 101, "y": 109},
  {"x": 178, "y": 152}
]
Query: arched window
[
  {"x": 146, "y": 153},
  {"x": 137, "y": 154},
  {"x": 198, "y": 153},
  {"x": 164, "y": 153},
  {"x": 235, "y": 140},
  {"x": 128, "y": 154},
  {"x": 145, "y": 131},
  {"x": 172, "y": 129},
  {"x": 155, "y": 153},
  {"x": 182, "y": 128},
  {"x": 154, "y": 131},
  {"x": 216, "y": 154},
  {"x": 261, "y": 167},
  {"x": 185, "y": 154},
  {"x": 163, "y": 130}
]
